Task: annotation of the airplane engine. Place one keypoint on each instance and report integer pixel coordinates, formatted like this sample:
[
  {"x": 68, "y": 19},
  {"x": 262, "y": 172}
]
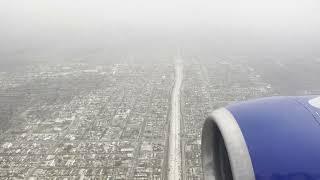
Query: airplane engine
[{"x": 276, "y": 138}]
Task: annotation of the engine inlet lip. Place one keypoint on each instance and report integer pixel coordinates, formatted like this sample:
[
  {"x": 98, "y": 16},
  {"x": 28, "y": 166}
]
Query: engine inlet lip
[{"x": 221, "y": 120}]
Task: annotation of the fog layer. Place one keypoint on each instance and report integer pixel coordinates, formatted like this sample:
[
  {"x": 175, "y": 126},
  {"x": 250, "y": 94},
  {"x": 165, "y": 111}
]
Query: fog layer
[{"x": 158, "y": 28}]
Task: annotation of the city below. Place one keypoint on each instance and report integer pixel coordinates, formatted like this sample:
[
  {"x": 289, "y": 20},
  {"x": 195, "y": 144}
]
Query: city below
[{"x": 131, "y": 119}]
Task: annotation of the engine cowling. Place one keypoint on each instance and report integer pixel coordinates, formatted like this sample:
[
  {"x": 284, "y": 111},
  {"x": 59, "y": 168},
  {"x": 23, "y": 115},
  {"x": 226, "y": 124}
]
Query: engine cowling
[{"x": 275, "y": 138}]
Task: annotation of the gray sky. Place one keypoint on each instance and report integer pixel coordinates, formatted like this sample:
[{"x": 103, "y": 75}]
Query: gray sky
[
  {"x": 220, "y": 24},
  {"x": 231, "y": 13}
]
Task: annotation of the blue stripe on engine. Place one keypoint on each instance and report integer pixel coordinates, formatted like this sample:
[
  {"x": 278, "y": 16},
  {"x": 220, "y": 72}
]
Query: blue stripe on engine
[{"x": 283, "y": 138}]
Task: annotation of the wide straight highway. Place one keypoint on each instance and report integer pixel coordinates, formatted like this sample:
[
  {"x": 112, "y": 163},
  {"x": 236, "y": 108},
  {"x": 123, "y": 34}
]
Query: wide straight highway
[{"x": 174, "y": 156}]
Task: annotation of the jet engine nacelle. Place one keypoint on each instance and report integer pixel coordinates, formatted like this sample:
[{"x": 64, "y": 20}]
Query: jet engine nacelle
[{"x": 275, "y": 138}]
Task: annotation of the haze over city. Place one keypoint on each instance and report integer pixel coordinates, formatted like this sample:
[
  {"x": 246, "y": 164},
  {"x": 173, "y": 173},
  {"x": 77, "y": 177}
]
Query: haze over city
[{"x": 120, "y": 89}]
